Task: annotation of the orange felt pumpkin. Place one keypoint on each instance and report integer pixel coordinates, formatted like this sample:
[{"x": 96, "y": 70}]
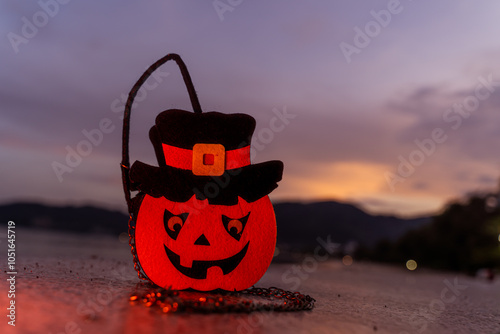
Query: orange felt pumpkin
[
  {"x": 202, "y": 246},
  {"x": 202, "y": 218}
]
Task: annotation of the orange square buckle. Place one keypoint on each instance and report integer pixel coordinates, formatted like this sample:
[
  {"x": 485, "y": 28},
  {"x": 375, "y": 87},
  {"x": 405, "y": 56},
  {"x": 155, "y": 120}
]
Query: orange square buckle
[{"x": 209, "y": 159}]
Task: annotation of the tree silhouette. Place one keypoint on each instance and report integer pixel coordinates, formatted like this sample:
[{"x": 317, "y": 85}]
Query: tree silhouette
[{"x": 465, "y": 237}]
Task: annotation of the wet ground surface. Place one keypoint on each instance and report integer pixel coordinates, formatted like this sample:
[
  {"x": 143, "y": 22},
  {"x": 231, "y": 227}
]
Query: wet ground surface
[{"x": 82, "y": 284}]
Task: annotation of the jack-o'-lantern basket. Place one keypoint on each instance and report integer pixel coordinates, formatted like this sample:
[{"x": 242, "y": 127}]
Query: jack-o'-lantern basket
[{"x": 202, "y": 218}]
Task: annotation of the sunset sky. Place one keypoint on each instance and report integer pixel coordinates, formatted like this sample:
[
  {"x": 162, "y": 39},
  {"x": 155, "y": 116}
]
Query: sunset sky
[{"x": 391, "y": 105}]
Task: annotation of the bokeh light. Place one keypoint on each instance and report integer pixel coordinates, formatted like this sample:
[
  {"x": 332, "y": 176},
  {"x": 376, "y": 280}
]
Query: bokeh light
[
  {"x": 347, "y": 260},
  {"x": 123, "y": 237},
  {"x": 492, "y": 202},
  {"x": 276, "y": 252},
  {"x": 411, "y": 264}
]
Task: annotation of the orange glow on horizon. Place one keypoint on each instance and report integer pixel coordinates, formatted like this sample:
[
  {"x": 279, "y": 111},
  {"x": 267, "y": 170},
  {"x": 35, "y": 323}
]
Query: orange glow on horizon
[
  {"x": 340, "y": 180},
  {"x": 360, "y": 183}
]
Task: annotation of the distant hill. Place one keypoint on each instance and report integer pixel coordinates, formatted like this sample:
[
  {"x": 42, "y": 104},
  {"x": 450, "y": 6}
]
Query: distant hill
[
  {"x": 88, "y": 219},
  {"x": 299, "y": 225}
]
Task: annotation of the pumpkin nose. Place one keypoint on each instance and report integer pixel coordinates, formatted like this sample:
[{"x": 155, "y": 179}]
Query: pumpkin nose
[{"x": 202, "y": 241}]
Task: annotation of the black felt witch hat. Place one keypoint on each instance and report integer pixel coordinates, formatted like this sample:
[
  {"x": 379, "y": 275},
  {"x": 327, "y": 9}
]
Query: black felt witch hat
[{"x": 206, "y": 154}]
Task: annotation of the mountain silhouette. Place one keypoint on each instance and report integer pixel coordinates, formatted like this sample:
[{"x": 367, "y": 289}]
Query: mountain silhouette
[{"x": 299, "y": 225}]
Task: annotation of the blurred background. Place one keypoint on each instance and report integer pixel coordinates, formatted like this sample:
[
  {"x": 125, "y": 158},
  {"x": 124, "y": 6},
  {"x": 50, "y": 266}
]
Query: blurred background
[{"x": 383, "y": 112}]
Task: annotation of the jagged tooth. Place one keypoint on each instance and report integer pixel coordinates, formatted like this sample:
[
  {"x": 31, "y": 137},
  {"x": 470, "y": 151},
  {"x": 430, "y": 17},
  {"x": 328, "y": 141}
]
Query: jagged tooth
[{"x": 214, "y": 272}]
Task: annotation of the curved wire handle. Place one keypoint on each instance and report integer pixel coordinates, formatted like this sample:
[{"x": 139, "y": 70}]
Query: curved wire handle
[{"x": 125, "y": 164}]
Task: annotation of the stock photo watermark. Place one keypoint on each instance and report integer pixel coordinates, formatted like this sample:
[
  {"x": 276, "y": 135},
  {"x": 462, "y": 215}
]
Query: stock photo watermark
[
  {"x": 363, "y": 36},
  {"x": 32, "y": 25},
  {"x": 221, "y": 7},
  {"x": 264, "y": 137},
  {"x": 292, "y": 277},
  {"x": 298, "y": 273},
  {"x": 94, "y": 305},
  {"x": 11, "y": 273},
  {"x": 452, "y": 118},
  {"x": 421, "y": 318},
  {"x": 95, "y": 137}
]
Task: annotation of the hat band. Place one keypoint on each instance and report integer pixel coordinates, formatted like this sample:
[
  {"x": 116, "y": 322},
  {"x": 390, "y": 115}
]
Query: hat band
[{"x": 206, "y": 159}]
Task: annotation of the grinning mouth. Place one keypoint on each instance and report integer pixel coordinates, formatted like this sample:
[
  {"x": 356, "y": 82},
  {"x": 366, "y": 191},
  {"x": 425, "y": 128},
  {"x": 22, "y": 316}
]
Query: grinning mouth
[{"x": 199, "y": 269}]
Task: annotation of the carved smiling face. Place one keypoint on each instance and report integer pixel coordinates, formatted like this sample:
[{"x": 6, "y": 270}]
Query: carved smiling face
[{"x": 205, "y": 247}]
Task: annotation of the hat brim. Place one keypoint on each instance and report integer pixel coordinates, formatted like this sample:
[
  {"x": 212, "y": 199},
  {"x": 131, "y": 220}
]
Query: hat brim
[{"x": 250, "y": 182}]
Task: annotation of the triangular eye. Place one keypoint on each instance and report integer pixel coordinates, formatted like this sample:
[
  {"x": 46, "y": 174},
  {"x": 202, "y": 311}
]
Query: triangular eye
[
  {"x": 235, "y": 226},
  {"x": 173, "y": 223}
]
